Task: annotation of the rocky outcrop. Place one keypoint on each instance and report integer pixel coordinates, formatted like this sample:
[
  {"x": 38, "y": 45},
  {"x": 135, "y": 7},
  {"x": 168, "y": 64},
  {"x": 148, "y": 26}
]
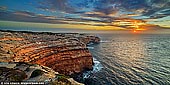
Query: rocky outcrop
[
  {"x": 65, "y": 53},
  {"x": 89, "y": 39},
  {"x": 10, "y": 74},
  {"x": 24, "y": 72}
]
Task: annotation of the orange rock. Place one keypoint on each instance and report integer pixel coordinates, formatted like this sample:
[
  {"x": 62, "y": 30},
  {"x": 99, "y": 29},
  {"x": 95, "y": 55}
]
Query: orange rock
[{"x": 64, "y": 53}]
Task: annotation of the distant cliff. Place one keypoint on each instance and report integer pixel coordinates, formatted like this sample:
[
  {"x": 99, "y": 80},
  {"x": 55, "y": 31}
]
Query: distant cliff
[{"x": 65, "y": 53}]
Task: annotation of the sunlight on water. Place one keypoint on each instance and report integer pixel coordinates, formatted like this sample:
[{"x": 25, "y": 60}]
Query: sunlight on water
[{"x": 132, "y": 59}]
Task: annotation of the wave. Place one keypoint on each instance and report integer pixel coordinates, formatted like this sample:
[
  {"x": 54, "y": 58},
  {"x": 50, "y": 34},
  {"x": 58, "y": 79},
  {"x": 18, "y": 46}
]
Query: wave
[
  {"x": 104, "y": 41},
  {"x": 90, "y": 47},
  {"x": 96, "y": 68}
]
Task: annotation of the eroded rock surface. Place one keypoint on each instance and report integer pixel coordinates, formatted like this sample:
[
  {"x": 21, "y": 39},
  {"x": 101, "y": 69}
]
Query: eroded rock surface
[
  {"x": 10, "y": 74},
  {"x": 25, "y": 72},
  {"x": 65, "y": 53}
]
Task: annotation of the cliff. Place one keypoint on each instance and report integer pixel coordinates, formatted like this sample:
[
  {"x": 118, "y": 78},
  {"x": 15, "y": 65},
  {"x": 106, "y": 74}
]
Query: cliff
[{"x": 65, "y": 53}]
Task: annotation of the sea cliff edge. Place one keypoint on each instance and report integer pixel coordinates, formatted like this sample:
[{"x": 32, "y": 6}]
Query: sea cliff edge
[{"x": 65, "y": 53}]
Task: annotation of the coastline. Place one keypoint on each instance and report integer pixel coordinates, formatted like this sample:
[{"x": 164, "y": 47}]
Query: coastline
[{"x": 21, "y": 45}]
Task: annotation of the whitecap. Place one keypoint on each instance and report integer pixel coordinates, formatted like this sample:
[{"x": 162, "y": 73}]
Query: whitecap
[
  {"x": 104, "y": 41},
  {"x": 90, "y": 47}
]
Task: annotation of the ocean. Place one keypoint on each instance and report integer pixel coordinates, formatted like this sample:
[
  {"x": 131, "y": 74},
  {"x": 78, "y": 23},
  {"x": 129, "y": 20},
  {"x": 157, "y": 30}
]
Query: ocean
[{"x": 131, "y": 59}]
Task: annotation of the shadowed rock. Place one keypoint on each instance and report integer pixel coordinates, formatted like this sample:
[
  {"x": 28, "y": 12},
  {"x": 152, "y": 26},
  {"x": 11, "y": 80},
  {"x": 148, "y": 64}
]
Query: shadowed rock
[{"x": 10, "y": 74}]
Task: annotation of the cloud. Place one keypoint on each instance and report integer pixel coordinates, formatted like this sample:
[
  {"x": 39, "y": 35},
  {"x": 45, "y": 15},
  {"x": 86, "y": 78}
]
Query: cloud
[
  {"x": 24, "y": 13},
  {"x": 25, "y": 16},
  {"x": 121, "y": 13},
  {"x": 56, "y": 5},
  {"x": 103, "y": 9},
  {"x": 99, "y": 15},
  {"x": 3, "y": 8},
  {"x": 156, "y": 5}
]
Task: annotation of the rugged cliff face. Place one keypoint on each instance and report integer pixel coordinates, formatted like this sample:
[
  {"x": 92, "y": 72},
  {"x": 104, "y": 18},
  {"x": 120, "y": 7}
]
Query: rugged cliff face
[{"x": 65, "y": 53}]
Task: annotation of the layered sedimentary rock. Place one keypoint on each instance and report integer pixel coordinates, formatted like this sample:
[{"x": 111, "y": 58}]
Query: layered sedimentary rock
[{"x": 63, "y": 52}]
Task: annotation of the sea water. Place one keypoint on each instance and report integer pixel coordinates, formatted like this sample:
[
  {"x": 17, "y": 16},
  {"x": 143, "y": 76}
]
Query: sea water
[{"x": 128, "y": 59}]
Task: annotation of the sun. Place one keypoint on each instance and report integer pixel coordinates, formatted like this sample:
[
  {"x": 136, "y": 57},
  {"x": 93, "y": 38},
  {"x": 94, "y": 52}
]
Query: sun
[
  {"x": 137, "y": 28},
  {"x": 134, "y": 31}
]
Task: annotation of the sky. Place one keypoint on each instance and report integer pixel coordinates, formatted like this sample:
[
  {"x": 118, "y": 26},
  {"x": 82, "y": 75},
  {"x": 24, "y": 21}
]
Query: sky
[{"x": 86, "y": 14}]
